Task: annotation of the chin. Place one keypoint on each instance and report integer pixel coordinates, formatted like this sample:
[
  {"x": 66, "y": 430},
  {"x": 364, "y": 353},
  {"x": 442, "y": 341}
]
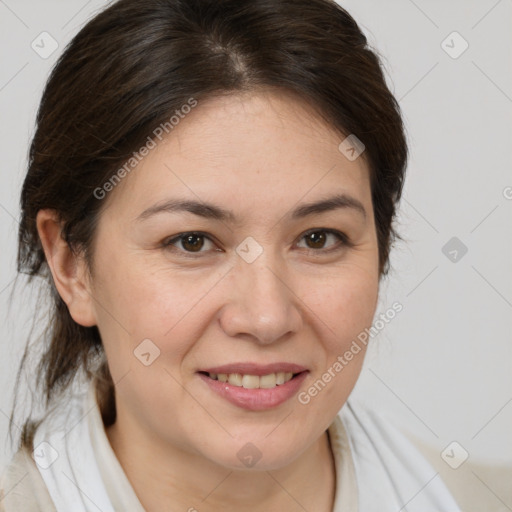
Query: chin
[{"x": 257, "y": 453}]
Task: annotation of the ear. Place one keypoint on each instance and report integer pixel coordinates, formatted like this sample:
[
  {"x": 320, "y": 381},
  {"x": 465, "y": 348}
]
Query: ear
[{"x": 69, "y": 271}]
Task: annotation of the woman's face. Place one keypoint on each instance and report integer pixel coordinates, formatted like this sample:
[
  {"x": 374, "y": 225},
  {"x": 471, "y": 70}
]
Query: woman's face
[{"x": 270, "y": 285}]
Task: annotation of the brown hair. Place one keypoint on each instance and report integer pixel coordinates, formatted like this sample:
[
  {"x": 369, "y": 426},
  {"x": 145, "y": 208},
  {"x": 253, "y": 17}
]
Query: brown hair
[{"x": 133, "y": 65}]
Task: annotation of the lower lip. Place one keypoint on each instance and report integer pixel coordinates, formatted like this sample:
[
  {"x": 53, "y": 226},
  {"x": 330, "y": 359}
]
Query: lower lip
[{"x": 256, "y": 399}]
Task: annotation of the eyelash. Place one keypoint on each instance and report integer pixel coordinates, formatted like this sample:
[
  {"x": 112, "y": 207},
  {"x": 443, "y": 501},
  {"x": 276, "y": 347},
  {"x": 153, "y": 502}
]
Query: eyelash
[{"x": 344, "y": 242}]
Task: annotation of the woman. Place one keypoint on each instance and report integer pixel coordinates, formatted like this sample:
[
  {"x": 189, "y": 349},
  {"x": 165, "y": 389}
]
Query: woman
[{"x": 210, "y": 198}]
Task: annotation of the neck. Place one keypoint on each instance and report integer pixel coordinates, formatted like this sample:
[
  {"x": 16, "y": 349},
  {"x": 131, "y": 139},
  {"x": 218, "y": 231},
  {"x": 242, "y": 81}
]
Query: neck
[{"x": 162, "y": 474}]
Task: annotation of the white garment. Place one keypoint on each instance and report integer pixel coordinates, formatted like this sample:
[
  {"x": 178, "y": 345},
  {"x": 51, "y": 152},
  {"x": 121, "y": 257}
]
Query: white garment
[
  {"x": 66, "y": 461},
  {"x": 377, "y": 468},
  {"x": 392, "y": 475}
]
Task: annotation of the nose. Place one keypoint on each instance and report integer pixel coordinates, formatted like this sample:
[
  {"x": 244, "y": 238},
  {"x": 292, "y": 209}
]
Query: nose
[{"x": 262, "y": 306}]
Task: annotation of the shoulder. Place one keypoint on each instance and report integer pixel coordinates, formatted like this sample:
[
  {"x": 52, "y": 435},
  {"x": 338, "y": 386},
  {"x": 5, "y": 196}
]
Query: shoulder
[
  {"x": 389, "y": 468},
  {"x": 22, "y": 488}
]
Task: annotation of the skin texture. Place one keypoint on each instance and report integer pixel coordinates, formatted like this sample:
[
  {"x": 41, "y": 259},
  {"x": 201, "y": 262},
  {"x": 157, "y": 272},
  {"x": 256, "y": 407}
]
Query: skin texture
[{"x": 260, "y": 155}]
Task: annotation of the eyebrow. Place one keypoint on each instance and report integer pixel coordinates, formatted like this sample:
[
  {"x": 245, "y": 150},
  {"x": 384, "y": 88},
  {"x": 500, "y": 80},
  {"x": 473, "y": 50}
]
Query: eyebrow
[{"x": 212, "y": 211}]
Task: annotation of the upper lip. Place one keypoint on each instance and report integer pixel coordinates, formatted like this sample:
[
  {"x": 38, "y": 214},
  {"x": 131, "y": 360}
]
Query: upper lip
[{"x": 255, "y": 369}]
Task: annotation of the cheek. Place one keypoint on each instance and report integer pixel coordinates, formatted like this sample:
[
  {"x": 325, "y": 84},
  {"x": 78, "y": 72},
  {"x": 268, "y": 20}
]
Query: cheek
[
  {"x": 136, "y": 302},
  {"x": 149, "y": 321},
  {"x": 342, "y": 310},
  {"x": 345, "y": 303}
]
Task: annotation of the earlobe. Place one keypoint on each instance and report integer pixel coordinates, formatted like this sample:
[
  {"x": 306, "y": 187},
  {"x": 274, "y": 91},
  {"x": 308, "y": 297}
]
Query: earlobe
[{"x": 69, "y": 270}]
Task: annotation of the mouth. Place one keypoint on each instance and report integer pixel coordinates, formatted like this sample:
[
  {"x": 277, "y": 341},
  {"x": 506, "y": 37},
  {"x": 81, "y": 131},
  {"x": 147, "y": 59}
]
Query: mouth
[{"x": 255, "y": 387}]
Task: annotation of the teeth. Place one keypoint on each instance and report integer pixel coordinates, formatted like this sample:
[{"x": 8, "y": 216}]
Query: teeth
[
  {"x": 250, "y": 382},
  {"x": 235, "y": 379},
  {"x": 253, "y": 381},
  {"x": 268, "y": 381}
]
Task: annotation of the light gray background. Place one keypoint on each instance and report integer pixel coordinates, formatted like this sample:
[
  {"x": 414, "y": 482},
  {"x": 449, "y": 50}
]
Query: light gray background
[{"x": 442, "y": 369}]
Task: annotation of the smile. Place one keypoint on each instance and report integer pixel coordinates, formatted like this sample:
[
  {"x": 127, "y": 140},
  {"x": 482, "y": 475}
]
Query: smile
[{"x": 255, "y": 387}]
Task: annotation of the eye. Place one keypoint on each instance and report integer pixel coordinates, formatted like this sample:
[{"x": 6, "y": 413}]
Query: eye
[
  {"x": 317, "y": 239},
  {"x": 192, "y": 242}
]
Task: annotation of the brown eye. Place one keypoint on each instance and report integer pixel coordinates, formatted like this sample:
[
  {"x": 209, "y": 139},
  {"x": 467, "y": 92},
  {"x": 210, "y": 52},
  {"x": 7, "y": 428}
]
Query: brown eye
[
  {"x": 186, "y": 244},
  {"x": 325, "y": 239},
  {"x": 316, "y": 240},
  {"x": 192, "y": 243}
]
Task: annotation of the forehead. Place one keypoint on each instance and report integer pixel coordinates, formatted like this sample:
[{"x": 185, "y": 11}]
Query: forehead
[{"x": 250, "y": 149}]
